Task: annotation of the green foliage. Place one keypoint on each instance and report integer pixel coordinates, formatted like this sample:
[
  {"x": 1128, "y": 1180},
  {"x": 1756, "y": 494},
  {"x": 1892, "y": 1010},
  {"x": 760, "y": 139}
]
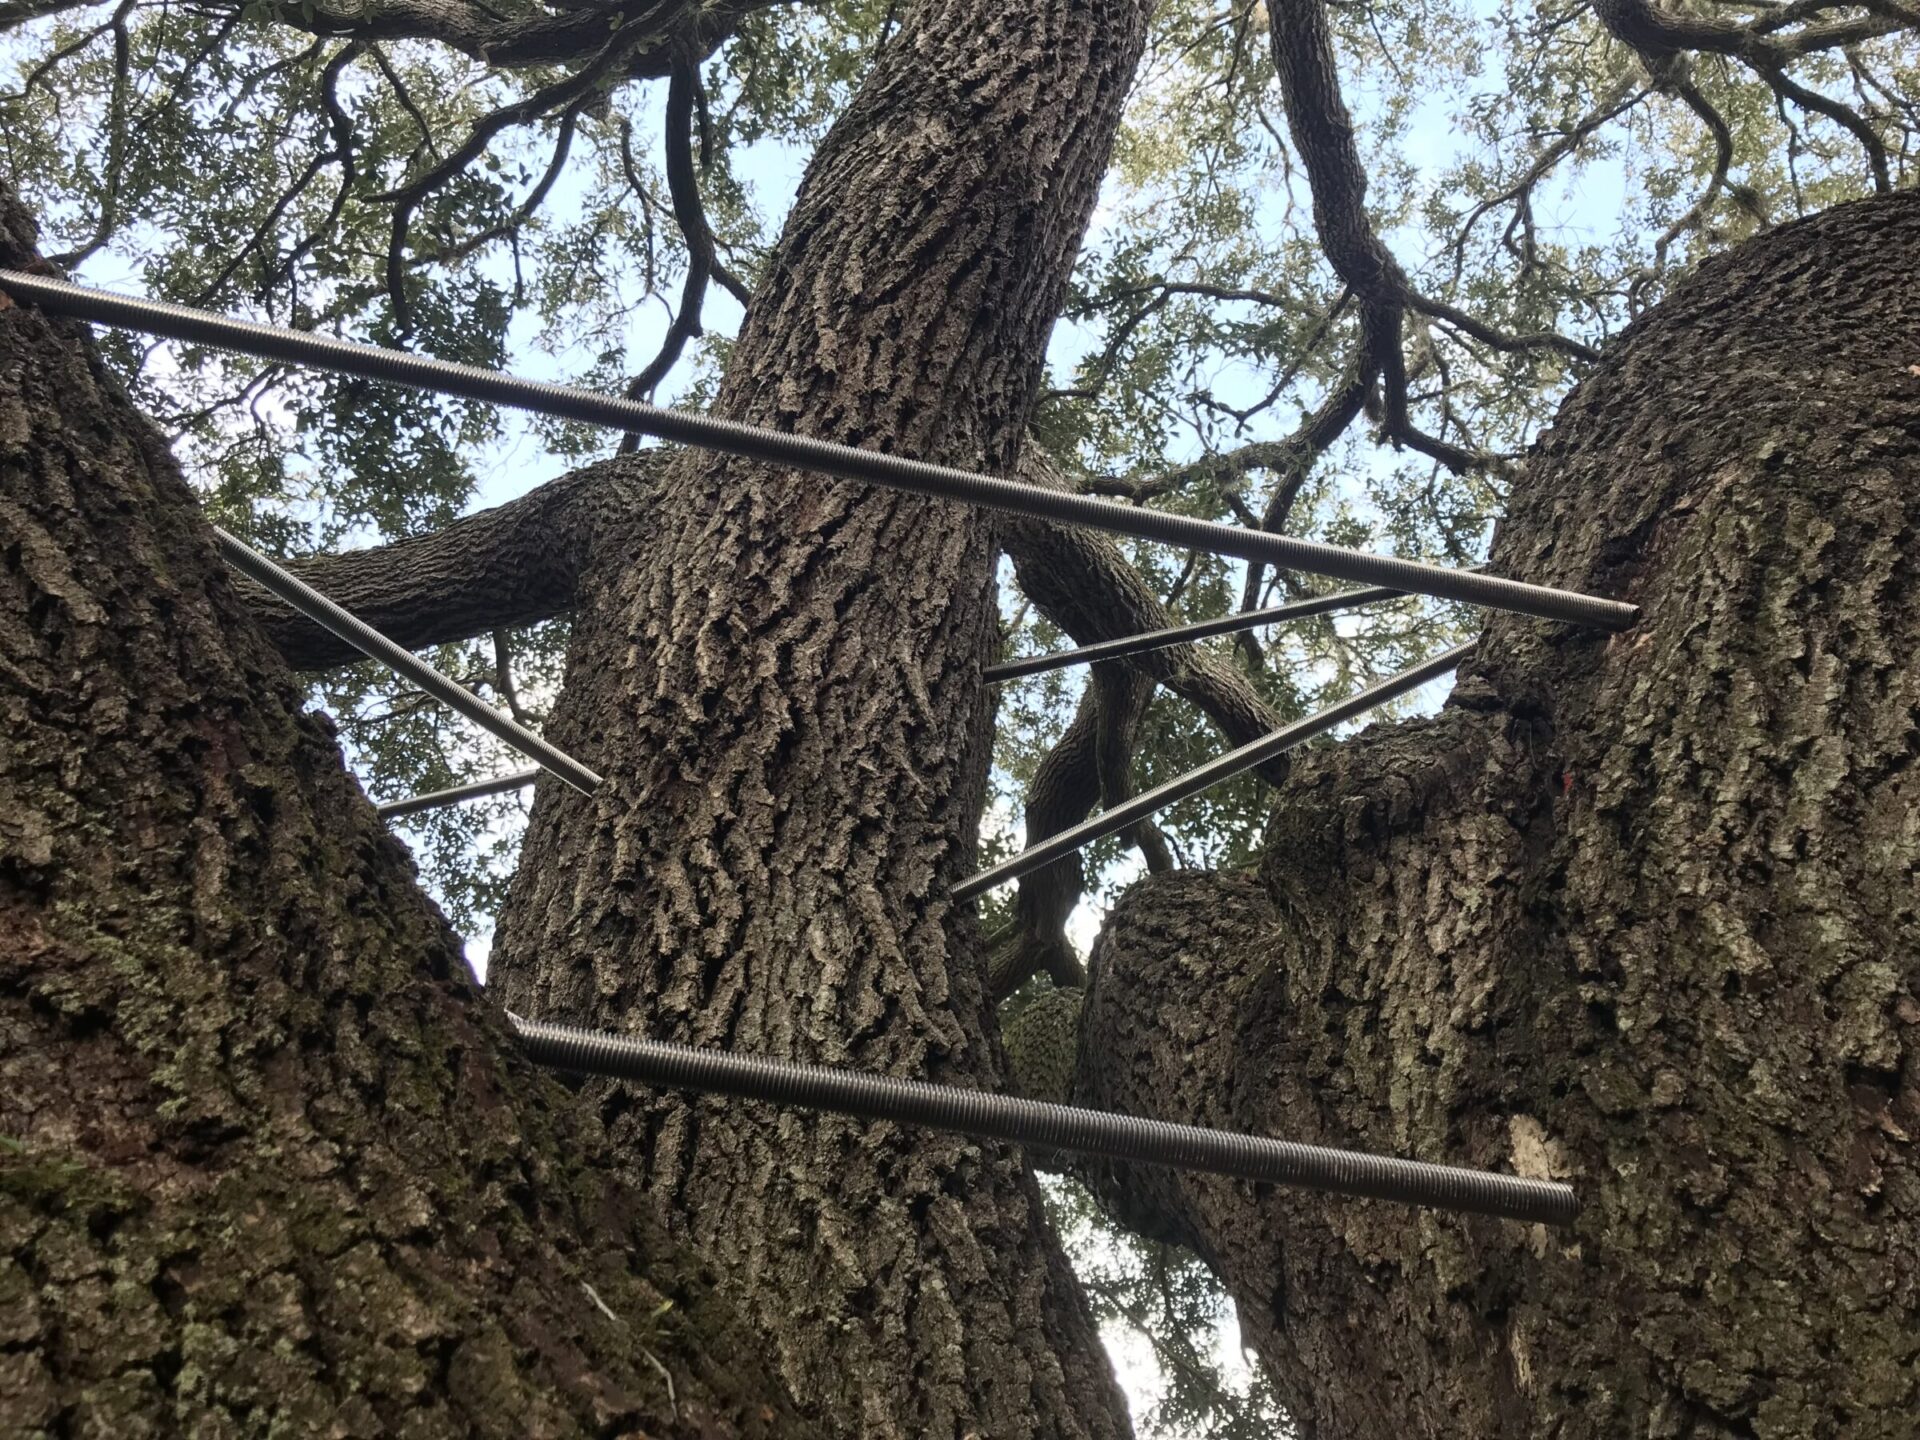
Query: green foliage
[{"x": 1152, "y": 1294}]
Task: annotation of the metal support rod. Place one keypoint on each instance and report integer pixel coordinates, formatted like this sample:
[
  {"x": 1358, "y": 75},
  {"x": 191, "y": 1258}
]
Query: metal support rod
[
  {"x": 434, "y": 799},
  {"x": 1034, "y": 1122},
  {"x": 1184, "y": 634},
  {"x": 1221, "y": 767},
  {"x": 273, "y": 342},
  {"x": 397, "y": 658}
]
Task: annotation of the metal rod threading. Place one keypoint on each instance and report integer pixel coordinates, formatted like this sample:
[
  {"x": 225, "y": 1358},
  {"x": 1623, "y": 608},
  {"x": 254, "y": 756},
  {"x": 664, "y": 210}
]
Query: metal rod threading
[
  {"x": 1183, "y": 634},
  {"x": 1221, "y": 767},
  {"x": 453, "y": 795},
  {"x": 273, "y": 342},
  {"x": 1038, "y": 1123},
  {"x": 402, "y": 661}
]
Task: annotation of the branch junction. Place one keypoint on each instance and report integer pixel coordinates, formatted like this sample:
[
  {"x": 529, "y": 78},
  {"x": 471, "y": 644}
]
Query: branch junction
[{"x": 1221, "y": 767}]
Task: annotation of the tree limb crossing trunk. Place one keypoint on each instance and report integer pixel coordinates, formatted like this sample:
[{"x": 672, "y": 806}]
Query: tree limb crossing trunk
[
  {"x": 514, "y": 564},
  {"x": 1639, "y": 912},
  {"x": 784, "y": 692}
]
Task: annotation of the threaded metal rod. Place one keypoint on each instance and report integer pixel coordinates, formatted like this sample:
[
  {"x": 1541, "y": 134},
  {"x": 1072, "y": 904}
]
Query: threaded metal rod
[
  {"x": 453, "y": 795},
  {"x": 273, "y": 342},
  {"x": 1037, "y": 1123},
  {"x": 1221, "y": 767},
  {"x": 397, "y": 658},
  {"x": 1185, "y": 634}
]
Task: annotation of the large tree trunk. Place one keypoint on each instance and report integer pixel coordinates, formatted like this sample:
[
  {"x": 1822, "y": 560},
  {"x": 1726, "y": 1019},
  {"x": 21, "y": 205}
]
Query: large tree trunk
[
  {"x": 783, "y": 688},
  {"x": 1641, "y": 912},
  {"x": 268, "y": 1163}
]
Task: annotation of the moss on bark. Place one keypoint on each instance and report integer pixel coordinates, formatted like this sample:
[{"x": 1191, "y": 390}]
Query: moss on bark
[{"x": 268, "y": 1162}]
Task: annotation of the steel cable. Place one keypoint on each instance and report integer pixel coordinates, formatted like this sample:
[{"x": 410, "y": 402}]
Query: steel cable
[
  {"x": 453, "y": 795},
  {"x": 1148, "y": 640},
  {"x": 273, "y": 342},
  {"x": 868, "y": 1096},
  {"x": 1038, "y": 1123}
]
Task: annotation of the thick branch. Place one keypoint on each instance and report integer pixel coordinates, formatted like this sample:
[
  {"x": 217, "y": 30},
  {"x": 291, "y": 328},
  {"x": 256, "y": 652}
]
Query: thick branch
[
  {"x": 511, "y": 565},
  {"x": 1323, "y": 133},
  {"x": 1659, "y": 33},
  {"x": 1083, "y": 584}
]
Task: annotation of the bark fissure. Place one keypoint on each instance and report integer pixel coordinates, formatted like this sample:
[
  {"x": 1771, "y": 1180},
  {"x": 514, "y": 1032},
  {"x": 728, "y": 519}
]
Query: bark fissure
[{"x": 785, "y": 694}]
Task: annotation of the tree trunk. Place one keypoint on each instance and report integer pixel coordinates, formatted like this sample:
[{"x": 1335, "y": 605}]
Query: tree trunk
[
  {"x": 1638, "y": 912},
  {"x": 268, "y": 1163},
  {"x": 784, "y": 691}
]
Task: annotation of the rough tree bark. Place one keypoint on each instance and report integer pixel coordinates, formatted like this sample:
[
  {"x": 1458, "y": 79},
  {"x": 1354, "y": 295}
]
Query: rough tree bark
[
  {"x": 783, "y": 687},
  {"x": 1640, "y": 912},
  {"x": 268, "y": 1163}
]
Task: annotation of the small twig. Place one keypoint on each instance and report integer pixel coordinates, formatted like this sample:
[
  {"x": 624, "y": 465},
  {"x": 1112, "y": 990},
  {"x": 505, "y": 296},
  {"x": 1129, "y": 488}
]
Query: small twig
[
  {"x": 673, "y": 1401},
  {"x": 503, "y": 677}
]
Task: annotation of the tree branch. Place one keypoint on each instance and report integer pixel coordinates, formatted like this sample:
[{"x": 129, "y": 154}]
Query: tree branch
[
  {"x": 1661, "y": 36},
  {"x": 511, "y": 565},
  {"x": 1322, "y": 129},
  {"x": 1622, "y": 96},
  {"x": 108, "y": 221},
  {"x": 1294, "y": 458},
  {"x": 554, "y": 34},
  {"x": 1065, "y": 788},
  {"x": 1082, "y": 583},
  {"x": 683, "y": 188},
  {"x": 1323, "y": 133},
  {"x": 1660, "y": 33}
]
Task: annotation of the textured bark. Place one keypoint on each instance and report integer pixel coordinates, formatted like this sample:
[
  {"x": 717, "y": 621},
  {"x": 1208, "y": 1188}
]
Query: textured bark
[
  {"x": 785, "y": 694},
  {"x": 1638, "y": 912},
  {"x": 512, "y": 565},
  {"x": 267, "y": 1162}
]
